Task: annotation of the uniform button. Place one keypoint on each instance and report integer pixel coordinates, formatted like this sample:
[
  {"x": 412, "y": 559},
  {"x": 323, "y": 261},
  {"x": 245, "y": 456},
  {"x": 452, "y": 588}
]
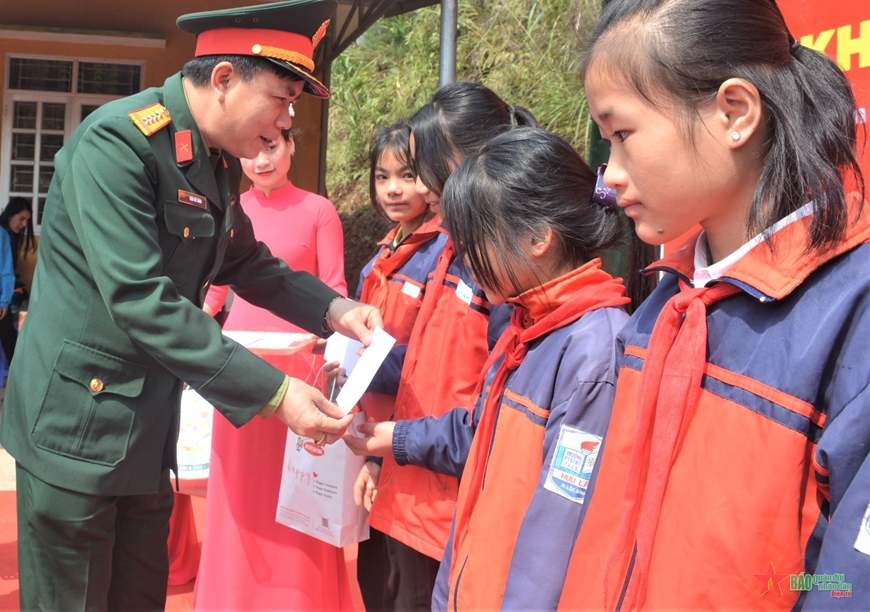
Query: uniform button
[
  {"x": 186, "y": 232},
  {"x": 96, "y": 385}
]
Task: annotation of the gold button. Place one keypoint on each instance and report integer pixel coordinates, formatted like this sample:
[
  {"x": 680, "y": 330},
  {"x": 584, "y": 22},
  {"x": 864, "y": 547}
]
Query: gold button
[
  {"x": 96, "y": 385},
  {"x": 256, "y": 49},
  {"x": 186, "y": 232},
  {"x": 232, "y": 233}
]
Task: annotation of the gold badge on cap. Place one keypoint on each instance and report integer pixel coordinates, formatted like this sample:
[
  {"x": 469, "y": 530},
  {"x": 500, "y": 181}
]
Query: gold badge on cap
[{"x": 151, "y": 119}]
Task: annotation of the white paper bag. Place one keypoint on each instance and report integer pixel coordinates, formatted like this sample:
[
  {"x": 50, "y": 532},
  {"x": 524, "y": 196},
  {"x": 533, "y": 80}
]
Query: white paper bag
[
  {"x": 316, "y": 495},
  {"x": 194, "y": 443}
]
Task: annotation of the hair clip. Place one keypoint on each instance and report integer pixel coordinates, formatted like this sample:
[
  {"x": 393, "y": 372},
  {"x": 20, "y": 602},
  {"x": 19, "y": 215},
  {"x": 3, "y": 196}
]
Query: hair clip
[{"x": 603, "y": 195}]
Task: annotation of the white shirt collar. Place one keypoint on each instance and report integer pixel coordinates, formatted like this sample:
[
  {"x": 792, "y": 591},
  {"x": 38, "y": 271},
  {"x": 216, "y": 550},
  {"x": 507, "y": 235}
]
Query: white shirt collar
[{"x": 705, "y": 272}]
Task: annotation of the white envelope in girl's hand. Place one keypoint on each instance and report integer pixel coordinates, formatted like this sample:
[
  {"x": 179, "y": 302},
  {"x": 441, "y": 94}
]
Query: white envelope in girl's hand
[{"x": 360, "y": 369}]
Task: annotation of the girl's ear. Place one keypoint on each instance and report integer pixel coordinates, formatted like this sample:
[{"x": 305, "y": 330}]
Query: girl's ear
[
  {"x": 539, "y": 244},
  {"x": 738, "y": 112}
]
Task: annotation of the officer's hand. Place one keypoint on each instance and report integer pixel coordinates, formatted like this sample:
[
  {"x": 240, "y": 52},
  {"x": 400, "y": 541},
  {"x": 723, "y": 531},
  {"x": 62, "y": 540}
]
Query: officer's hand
[
  {"x": 307, "y": 413},
  {"x": 354, "y": 319},
  {"x": 377, "y": 440}
]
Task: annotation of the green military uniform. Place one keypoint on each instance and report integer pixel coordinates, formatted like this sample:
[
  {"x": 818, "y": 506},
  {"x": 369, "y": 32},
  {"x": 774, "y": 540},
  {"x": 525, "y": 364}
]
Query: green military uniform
[
  {"x": 131, "y": 241},
  {"x": 141, "y": 218}
]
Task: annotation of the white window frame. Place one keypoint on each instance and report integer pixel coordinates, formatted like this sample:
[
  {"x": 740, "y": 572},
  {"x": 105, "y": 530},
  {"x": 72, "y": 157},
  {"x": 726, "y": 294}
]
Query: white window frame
[{"x": 73, "y": 102}]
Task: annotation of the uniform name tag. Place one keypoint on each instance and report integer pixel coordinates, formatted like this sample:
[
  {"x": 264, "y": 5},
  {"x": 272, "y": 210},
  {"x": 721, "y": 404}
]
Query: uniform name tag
[
  {"x": 411, "y": 289},
  {"x": 463, "y": 292},
  {"x": 188, "y": 197},
  {"x": 572, "y": 464}
]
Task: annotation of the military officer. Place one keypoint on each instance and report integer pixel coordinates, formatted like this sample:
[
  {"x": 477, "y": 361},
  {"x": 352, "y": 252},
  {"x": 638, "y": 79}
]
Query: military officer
[{"x": 141, "y": 218}]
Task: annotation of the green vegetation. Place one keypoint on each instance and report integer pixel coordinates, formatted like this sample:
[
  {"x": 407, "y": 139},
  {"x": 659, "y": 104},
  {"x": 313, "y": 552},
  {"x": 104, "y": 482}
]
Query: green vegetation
[{"x": 525, "y": 50}]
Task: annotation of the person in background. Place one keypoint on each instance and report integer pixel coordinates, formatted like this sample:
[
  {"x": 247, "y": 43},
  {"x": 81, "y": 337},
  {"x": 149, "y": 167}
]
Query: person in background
[
  {"x": 738, "y": 454},
  {"x": 449, "y": 344},
  {"x": 16, "y": 220},
  {"x": 303, "y": 229},
  {"x": 141, "y": 218},
  {"x": 300, "y": 227},
  {"x": 391, "y": 574}
]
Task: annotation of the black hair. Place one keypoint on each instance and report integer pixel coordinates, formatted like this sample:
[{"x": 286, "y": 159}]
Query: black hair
[
  {"x": 458, "y": 120},
  {"x": 396, "y": 140},
  {"x": 520, "y": 183},
  {"x": 199, "y": 69},
  {"x": 15, "y": 206},
  {"x": 687, "y": 49}
]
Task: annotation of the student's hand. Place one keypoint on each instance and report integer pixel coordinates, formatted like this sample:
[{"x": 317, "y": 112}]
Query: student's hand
[
  {"x": 354, "y": 319},
  {"x": 307, "y": 413},
  {"x": 366, "y": 486},
  {"x": 333, "y": 371},
  {"x": 377, "y": 440},
  {"x": 319, "y": 347}
]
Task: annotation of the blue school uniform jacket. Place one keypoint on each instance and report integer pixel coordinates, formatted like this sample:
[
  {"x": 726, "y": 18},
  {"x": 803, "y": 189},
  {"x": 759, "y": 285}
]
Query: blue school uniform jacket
[{"x": 771, "y": 476}]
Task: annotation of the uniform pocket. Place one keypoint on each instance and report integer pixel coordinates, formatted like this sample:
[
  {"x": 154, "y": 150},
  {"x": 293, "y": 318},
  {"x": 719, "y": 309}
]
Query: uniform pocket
[
  {"x": 88, "y": 409},
  {"x": 187, "y": 227}
]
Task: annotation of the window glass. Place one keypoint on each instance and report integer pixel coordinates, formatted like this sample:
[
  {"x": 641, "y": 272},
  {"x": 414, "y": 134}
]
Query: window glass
[
  {"x": 108, "y": 79},
  {"x": 40, "y": 74}
]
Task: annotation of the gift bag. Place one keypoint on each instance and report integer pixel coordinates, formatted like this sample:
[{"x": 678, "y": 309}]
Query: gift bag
[
  {"x": 316, "y": 495},
  {"x": 194, "y": 443}
]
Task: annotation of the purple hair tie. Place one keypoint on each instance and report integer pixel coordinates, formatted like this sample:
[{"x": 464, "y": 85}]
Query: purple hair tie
[{"x": 603, "y": 195}]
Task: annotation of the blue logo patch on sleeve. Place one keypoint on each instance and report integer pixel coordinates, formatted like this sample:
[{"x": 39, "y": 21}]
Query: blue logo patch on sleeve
[{"x": 572, "y": 464}]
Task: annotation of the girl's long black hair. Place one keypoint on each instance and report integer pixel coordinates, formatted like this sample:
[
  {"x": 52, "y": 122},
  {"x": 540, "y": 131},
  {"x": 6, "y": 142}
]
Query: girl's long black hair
[
  {"x": 460, "y": 118},
  {"x": 519, "y": 184}
]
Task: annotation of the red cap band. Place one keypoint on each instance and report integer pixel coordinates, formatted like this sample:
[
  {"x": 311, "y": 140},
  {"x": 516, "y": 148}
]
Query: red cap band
[{"x": 241, "y": 41}]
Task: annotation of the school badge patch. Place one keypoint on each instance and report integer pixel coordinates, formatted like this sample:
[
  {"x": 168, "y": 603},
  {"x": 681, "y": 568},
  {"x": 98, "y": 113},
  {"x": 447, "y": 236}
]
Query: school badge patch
[{"x": 572, "y": 464}]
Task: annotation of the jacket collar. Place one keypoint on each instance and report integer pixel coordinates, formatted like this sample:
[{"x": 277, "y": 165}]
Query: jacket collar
[{"x": 772, "y": 271}]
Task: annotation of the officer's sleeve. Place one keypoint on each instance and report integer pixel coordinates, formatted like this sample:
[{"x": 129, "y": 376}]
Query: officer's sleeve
[{"x": 109, "y": 191}]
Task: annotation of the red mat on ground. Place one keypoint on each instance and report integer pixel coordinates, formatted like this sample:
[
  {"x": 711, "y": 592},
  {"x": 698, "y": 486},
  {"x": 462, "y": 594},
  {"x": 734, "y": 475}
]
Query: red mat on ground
[{"x": 179, "y": 598}]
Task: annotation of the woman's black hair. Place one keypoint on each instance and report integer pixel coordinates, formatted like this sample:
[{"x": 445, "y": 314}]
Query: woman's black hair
[
  {"x": 15, "y": 206},
  {"x": 519, "y": 184},
  {"x": 396, "y": 140},
  {"x": 687, "y": 49},
  {"x": 460, "y": 118}
]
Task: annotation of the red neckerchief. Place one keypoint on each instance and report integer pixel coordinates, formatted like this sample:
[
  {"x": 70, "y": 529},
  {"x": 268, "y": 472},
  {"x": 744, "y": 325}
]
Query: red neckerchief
[
  {"x": 561, "y": 302},
  {"x": 391, "y": 259},
  {"x": 676, "y": 357}
]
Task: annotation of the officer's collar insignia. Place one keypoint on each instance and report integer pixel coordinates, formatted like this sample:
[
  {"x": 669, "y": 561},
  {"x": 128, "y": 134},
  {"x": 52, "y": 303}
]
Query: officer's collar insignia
[
  {"x": 183, "y": 146},
  {"x": 151, "y": 119}
]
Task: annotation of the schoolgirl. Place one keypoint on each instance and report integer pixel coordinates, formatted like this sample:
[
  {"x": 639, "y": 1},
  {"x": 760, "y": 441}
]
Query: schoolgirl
[
  {"x": 394, "y": 281},
  {"x": 737, "y": 454},
  {"x": 449, "y": 343},
  {"x": 524, "y": 212}
]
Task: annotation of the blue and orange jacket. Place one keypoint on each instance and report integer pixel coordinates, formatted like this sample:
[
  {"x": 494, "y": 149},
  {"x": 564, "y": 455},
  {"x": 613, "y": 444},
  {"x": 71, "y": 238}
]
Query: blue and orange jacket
[
  {"x": 770, "y": 476},
  {"x": 449, "y": 345},
  {"x": 525, "y": 483},
  {"x": 395, "y": 281}
]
